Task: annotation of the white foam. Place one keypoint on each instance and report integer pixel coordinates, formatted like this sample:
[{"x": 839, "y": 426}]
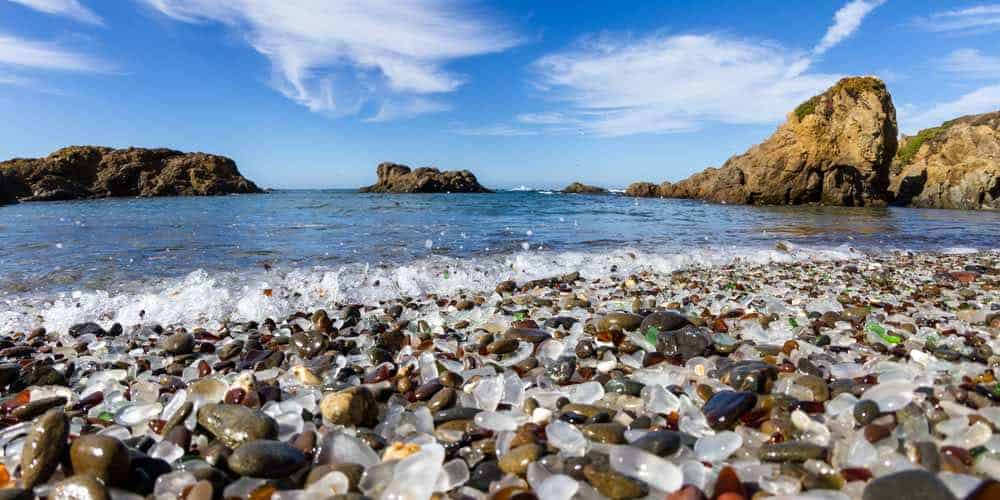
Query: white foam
[{"x": 204, "y": 299}]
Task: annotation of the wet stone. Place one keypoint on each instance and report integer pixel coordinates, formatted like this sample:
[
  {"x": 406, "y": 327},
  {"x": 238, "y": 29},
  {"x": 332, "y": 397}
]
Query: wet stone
[
  {"x": 620, "y": 321},
  {"x": 791, "y": 451},
  {"x": 178, "y": 343},
  {"x": 102, "y": 457},
  {"x": 44, "y": 447},
  {"x": 442, "y": 399},
  {"x": 913, "y": 484},
  {"x": 516, "y": 460},
  {"x": 236, "y": 424},
  {"x": 664, "y": 321},
  {"x": 606, "y": 433},
  {"x": 815, "y": 384},
  {"x": 688, "y": 342},
  {"x": 612, "y": 484},
  {"x": 865, "y": 411},
  {"x": 753, "y": 376},
  {"x": 309, "y": 344},
  {"x": 527, "y": 335},
  {"x": 725, "y": 408},
  {"x": 355, "y": 406},
  {"x": 37, "y": 407},
  {"x": 623, "y": 386},
  {"x": 266, "y": 459},
  {"x": 662, "y": 443}
]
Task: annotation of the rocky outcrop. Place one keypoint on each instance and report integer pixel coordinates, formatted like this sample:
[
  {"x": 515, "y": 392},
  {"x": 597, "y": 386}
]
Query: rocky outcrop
[
  {"x": 8, "y": 188},
  {"x": 834, "y": 149},
  {"x": 643, "y": 190},
  {"x": 954, "y": 165},
  {"x": 580, "y": 188},
  {"x": 83, "y": 172},
  {"x": 395, "y": 178}
]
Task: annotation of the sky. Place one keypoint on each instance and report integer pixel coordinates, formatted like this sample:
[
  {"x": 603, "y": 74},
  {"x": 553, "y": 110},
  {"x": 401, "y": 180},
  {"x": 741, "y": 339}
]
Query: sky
[{"x": 315, "y": 93}]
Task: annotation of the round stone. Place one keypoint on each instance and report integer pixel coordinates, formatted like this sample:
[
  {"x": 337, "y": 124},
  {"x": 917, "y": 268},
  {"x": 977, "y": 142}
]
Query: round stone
[
  {"x": 102, "y": 457},
  {"x": 354, "y": 407},
  {"x": 266, "y": 459},
  {"x": 236, "y": 424}
]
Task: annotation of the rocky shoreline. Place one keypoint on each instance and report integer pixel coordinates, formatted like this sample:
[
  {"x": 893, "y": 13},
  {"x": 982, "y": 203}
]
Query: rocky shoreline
[
  {"x": 840, "y": 148},
  {"x": 88, "y": 172},
  {"x": 815, "y": 379}
]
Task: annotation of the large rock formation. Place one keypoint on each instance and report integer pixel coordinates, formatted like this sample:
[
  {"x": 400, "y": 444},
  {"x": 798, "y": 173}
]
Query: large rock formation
[
  {"x": 395, "y": 178},
  {"x": 954, "y": 165},
  {"x": 834, "y": 149},
  {"x": 80, "y": 172},
  {"x": 580, "y": 188}
]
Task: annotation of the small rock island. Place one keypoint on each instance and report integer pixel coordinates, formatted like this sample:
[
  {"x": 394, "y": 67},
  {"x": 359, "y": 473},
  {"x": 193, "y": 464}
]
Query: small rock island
[
  {"x": 396, "y": 178},
  {"x": 581, "y": 188}
]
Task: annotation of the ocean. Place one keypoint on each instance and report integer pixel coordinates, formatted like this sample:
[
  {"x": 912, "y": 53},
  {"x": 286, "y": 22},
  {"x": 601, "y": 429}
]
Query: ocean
[{"x": 202, "y": 260}]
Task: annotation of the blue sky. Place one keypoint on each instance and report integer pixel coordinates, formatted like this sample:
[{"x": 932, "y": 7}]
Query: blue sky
[{"x": 314, "y": 93}]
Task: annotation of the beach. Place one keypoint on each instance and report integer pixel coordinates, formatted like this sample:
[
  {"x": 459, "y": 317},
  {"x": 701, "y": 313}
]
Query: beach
[{"x": 798, "y": 377}]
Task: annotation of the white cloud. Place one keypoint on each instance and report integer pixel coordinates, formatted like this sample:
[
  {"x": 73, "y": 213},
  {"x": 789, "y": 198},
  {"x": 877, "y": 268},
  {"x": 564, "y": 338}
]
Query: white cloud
[
  {"x": 67, "y": 8},
  {"x": 495, "y": 130},
  {"x": 340, "y": 55},
  {"x": 15, "y": 80},
  {"x": 663, "y": 84},
  {"x": 982, "y": 100},
  {"x": 846, "y": 21},
  {"x": 407, "y": 108},
  {"x": 970, "y": 20},
  {"x": 546, "y": 118},
  {"x": 33, "y": 54},
  {"x": 972, "y": 63}
]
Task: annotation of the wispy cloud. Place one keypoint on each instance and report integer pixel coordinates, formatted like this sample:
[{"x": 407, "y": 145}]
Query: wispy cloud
[
  {"x": 972, "y": 63},
  {"x": 339, "y": 56},
  {"x": 618, "y": 86},
  {"x": 495, "y": 130},
  {"x": 546, "y": 118},
  {"x": 407, "y": 108},
  {"x": 33, "y": 54},
  {"x": 975, "y": 19},
  {"x": 846, "y": 21},
  {"x": 982, "y": 100},
  {"x": 621, "y": 85},
  {"x": 66, "y": 8}
]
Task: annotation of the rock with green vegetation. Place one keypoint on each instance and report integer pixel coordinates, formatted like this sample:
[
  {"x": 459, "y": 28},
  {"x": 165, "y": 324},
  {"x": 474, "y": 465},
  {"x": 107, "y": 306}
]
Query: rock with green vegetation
[
  {"x": 84, "y": 172},
  {"x": 953, "y": 165},
  {"x": 834, "y": 149}
]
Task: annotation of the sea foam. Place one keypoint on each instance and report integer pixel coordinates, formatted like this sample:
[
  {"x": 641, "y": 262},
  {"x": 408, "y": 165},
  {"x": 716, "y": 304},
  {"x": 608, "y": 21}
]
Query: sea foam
[{"x": 206, "y": 299}]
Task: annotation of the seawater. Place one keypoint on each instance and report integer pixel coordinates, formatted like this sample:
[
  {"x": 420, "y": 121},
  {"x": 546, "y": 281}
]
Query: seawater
[{"x": 201, "y": 260}]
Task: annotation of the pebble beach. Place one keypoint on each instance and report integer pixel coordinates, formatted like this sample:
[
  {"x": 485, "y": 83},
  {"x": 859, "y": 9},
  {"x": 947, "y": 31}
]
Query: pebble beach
[{"x": 870, "y": 377}]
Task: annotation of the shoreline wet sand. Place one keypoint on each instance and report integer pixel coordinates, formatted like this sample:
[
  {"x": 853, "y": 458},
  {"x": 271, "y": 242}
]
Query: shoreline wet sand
[{"x": 826, "y": 379}]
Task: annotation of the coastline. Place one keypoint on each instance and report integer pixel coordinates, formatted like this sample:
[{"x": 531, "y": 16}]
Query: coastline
[{"x": 802, "y": 338}]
